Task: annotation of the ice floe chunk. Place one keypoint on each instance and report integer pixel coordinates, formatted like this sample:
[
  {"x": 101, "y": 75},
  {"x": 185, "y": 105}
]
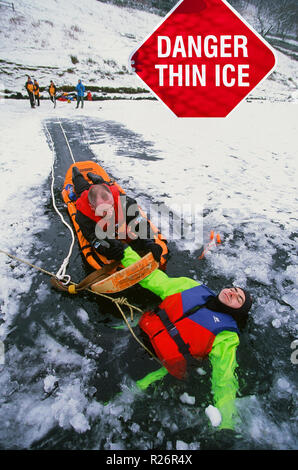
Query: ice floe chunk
[
  {"x": 50, "y": 383},
  {"x": 83, "y": 315},
  {"x": 283, "y": 384},
  {"x": 181, "y": 445},
  {"x": 214, "y": 415},
  {"x": 185, "y": 398},
  {"x": 79, "y": 423},
  {"x": 276, "y": 323},
  {"x": 70, "y": 406},
  {"x": 291, "y": 299}
]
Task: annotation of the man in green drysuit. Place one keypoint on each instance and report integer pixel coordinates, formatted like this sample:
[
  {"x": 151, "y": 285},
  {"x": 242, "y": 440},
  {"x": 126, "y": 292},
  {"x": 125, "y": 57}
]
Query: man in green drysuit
[{"x": 222, "y": 355}]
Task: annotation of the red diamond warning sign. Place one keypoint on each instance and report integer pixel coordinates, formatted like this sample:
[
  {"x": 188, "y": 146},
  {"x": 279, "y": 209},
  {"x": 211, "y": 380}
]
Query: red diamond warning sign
[{"x": 203, "y": 59}]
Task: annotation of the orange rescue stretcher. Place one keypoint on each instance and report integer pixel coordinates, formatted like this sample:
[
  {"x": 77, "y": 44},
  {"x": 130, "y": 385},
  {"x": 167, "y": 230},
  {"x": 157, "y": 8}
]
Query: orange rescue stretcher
[{"x": 109, "y": 276}]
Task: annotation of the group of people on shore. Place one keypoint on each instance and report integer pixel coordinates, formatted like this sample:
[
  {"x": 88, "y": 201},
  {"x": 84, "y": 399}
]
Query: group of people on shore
[{"x": 32, "y": 87}]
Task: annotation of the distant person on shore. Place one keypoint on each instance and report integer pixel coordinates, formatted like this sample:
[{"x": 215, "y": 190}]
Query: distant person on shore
[
  {"x": 52, "y": 92},
  {"x": 89, "y": 96},
  {"x": 36, "y": 92},
  {"x": 30, "y": 90},
  {"x": 80, "y": 94}
]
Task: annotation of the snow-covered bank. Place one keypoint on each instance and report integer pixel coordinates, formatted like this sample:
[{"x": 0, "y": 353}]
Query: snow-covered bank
[
  {"x": 70, "y": 40},
  {"x": 67, "y": 41}
]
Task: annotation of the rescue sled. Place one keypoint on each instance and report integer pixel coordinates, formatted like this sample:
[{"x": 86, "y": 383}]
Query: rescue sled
[{"x": 111, "y": 275}]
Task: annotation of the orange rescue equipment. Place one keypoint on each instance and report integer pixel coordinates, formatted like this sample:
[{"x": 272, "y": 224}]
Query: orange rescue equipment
[{"x": 123, "y": 278}]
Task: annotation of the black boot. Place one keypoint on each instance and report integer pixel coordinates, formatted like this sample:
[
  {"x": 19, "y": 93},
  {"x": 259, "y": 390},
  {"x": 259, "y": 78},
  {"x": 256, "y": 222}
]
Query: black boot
[
  {"x": 75, "y": 172},
  {"x": 96, "y": 179}
]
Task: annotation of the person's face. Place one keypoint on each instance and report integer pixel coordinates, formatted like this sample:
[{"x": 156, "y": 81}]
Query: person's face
[
  {"x": 233, "y": 297},
  {"x": 104, "y": 206}
]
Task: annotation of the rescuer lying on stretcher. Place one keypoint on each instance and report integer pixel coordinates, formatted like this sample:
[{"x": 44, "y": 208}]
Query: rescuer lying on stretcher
[
  {"x": 99, "y": 203},
  {"x": 194, "y": 322}
]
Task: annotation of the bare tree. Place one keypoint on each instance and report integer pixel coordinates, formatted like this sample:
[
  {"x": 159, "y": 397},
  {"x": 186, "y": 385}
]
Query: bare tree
[{"x": 271, "y": 16}]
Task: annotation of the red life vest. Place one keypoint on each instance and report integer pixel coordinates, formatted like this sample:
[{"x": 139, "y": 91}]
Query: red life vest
[
  {"x": 184, "y": 327},
  {"x": 83, "y": 205}
]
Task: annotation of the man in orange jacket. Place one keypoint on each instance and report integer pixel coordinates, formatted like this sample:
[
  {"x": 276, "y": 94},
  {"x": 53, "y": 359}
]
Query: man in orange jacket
[
  {"x": 30, "y": 90},
  {"x": 36, "y": 92},
  {"x": 52, "y": 92}
]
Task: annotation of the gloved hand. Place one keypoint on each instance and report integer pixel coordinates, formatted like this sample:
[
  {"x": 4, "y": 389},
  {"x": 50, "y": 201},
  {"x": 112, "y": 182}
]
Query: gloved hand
[
  {"x": 111, "y": 249},
  {"x": 155, "y": 249}
]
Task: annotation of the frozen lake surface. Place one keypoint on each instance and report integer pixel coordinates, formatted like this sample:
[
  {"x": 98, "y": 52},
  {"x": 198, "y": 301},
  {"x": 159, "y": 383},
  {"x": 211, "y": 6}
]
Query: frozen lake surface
[{"x": 65, "y": 364}]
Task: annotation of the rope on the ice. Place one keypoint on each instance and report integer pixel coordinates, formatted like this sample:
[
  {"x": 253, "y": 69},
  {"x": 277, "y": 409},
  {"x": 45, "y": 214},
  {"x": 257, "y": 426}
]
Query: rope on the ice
[
  {"x": 118, "y": 301},
  {"x": 27, "y": 262},
  {"x": 70, "y": 151},
  {"x": 61, "y": 273}
]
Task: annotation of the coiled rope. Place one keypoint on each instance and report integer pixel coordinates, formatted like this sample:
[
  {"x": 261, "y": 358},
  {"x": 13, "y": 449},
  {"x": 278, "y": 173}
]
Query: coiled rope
[{"x": 61, "y": 273}]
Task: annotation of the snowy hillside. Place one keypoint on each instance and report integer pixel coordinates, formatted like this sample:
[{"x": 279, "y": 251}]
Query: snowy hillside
[
  {"x": 64, "y": 41},
  {"x": 70, "y": 40}
]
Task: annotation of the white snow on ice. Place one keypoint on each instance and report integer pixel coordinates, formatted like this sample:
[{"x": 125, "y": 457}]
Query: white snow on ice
[{"x": 214, "y": 415}]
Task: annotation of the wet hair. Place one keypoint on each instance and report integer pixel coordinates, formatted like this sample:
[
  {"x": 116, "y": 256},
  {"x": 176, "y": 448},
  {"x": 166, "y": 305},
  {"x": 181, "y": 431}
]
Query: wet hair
[{"x": 94, "y": 190}]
